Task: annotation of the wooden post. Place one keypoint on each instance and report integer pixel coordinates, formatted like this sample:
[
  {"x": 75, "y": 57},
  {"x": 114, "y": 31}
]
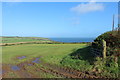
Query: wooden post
[
  {"x": 104, "y": 48},
  {"x": 116, "y": 59}
]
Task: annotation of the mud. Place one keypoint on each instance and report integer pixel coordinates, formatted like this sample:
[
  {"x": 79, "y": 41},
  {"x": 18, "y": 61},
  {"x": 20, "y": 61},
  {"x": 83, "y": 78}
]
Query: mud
[
  {"x": 15, "y": 68},
  {"x": 65, "y": 72},
  {"x": 36, "y": 60},
  {"x": 29, "y": 64},
  {"x": 22, "y": 57},
  {"x": 0, "y": 72}
]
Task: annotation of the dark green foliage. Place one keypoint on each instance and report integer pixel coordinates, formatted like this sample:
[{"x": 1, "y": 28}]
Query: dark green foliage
[
  {"x": 110, "y": 66},
  {"x": 112, "y": 39},
  {"x": 83, "y": 60},
  {"x": 79, "y": 59},
  {"x": 106, "y": 67},
  {"x": 83, "y": 54}
]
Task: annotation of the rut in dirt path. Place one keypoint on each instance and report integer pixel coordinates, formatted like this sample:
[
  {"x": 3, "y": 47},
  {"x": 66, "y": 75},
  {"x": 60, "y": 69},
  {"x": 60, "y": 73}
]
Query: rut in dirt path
[
  {"x": 65, "y": 72},
  {"x": 57, "y": 70},
  {"x": 39, "y": 66}
]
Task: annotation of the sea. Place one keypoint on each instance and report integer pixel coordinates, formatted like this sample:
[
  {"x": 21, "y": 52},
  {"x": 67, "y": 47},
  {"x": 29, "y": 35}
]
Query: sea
[{"x": 70, "y": 40}]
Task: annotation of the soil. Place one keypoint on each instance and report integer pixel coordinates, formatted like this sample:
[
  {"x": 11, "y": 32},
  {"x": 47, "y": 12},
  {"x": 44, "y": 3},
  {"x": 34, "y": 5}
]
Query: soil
[{"x": 47, "y": 68}]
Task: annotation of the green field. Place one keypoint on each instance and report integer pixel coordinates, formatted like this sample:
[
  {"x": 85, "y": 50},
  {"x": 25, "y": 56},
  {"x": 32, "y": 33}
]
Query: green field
[
  {"x": 22, "y": 39},
  {"x": 53, "y": 60},
  {"x": 49, "y": 53},
  {"x": 52, "y": 53}
]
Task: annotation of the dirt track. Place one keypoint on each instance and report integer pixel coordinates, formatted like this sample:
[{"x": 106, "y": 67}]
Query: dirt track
[{"x": 55, "y": 70}]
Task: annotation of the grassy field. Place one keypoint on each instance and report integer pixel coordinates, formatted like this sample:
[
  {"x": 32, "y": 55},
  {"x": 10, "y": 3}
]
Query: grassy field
[
  {"x": 22, "y": 39},
  {"x": 54, "y": 61},
  {"x": 48, "y": 53},
  {"x": 52, "y": 53}
]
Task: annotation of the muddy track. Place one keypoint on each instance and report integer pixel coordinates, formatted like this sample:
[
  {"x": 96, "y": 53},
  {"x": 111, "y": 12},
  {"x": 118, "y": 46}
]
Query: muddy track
[
  {"x": 60, "y": 71},
  {"x": 55, "y": 70},
  {"x": 65, "y": 72}
]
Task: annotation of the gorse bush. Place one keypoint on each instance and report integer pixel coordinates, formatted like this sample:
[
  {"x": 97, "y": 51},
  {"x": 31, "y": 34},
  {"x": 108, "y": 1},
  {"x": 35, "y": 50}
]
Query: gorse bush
[
  {"x": 112, "y": 39},
  {"x": 108, "y": 66}
]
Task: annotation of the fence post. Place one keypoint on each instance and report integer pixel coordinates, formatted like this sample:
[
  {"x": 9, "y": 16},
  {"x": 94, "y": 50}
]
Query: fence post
[{"x": 104, "y": 48}]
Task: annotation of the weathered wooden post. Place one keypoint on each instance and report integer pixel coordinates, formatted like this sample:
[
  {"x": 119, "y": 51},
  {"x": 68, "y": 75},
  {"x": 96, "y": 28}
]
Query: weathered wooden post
[{"x": 104, "y": 48}]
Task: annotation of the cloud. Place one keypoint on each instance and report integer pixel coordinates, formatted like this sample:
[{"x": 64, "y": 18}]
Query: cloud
[{"x": 88, "y": 7}]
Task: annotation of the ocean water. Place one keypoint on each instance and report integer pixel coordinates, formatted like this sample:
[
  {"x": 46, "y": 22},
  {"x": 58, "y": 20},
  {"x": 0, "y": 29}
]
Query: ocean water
[{"x": 72, "y": 39}]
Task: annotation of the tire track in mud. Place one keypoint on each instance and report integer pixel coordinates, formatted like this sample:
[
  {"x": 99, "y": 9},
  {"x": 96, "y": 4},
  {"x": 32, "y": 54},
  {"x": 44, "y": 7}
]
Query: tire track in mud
[
  {"x": 20, "y": 73},
  {"x": 23, "y": 74},
  {"x": 27, "y": 73},
  {"x": 5, "y": 70},
  {"x": 65, "y": 72},
  {"x": 55, "y": 70},
  {"x": 60, "y": 71}
]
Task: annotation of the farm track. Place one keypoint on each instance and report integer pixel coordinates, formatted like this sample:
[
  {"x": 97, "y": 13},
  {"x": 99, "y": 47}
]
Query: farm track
[
  {"x": 65, "y": 72},
  {"x": 21, "y": 73},
  {"x": 60, "y": 71},
  {"x": 29, "y": 72},
  {"x": 55, "y": 70}
]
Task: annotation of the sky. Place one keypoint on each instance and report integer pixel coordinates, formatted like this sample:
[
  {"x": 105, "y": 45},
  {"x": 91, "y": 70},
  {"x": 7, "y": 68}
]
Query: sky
[{"x": 58, "y": 19}]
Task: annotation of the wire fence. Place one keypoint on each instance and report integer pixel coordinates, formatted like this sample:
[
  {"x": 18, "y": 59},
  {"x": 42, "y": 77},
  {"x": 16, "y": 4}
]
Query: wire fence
[{"x": 99, "y": 51}]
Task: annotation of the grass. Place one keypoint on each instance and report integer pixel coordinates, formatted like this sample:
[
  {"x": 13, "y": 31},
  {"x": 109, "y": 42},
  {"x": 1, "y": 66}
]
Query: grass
[
  {"x": 75, "y": 56},
  {"x": 80, "y": 59},
  {"x": 31, "y": 69},
  {"x": 22, "y": 39},
  {"x": 52, "y": 53},
  {"x": 77, "y": 64},
  {"x": 107, "y": 67}
]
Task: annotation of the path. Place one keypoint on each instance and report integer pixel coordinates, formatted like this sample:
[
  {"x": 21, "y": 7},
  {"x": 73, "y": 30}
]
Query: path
[{"x": 22, "y": 70}]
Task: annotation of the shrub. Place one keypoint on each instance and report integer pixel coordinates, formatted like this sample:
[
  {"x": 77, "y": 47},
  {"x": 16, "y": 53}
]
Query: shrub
[
  {"x": 106, "y": 67},
  {"x": 112, "y": 39}
]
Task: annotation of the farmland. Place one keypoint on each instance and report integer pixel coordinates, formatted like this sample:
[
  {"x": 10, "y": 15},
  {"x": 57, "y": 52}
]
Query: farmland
[
  {"x": 47, "y": 53},
  {"x": 49, "y": 61},
  {"x": 22, "y": 39}
]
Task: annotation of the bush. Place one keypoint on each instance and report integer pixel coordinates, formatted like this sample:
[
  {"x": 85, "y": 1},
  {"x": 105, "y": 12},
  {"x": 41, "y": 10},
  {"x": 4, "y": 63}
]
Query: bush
[
  {"x": 112, "y": 39},
  {"x": 106, "y": 67}
]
